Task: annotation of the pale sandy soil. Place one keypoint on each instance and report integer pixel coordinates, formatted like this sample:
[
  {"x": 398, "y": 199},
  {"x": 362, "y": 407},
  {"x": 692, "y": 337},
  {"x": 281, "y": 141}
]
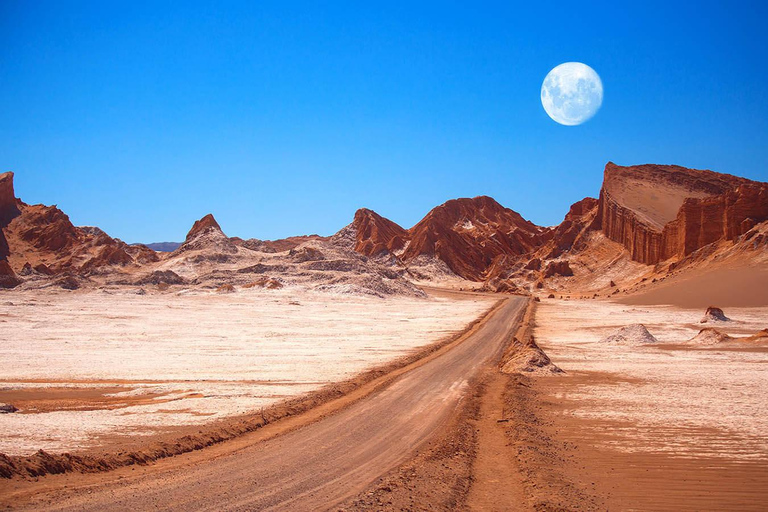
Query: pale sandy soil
[
  {"x": 683, "y": 400},
  {"x": 87, "y": 366}
]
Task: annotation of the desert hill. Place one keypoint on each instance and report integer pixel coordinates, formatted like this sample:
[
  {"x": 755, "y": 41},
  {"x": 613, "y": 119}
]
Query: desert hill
[
  {"x": 38, "y": 239},
  {"x": 466, "y": 234},
  {"x": 651, "y": 223}
]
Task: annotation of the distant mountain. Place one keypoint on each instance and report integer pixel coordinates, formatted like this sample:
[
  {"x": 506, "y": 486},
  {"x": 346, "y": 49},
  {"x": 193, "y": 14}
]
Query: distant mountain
[
  {"x": 164, "y": 246},
  {"x": 42, "y": 240},
  {"x": 650, "y": 221}
]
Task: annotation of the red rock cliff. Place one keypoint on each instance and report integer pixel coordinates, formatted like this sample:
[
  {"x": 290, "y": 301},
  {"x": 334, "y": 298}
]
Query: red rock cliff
[
  {"x": 662, "y": 211},
  {"x": 8, "y": 204}
]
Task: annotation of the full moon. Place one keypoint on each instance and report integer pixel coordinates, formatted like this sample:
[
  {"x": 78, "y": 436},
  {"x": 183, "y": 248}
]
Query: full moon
[{"x": 572, "y": 93}]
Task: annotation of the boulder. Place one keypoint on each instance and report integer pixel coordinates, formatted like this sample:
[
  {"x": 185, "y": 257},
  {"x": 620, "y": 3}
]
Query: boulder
[{"x": 714, "y": 314}]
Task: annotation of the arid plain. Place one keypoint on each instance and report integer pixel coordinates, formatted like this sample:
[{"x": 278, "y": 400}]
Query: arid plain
[{"x": 474, "y": 361}]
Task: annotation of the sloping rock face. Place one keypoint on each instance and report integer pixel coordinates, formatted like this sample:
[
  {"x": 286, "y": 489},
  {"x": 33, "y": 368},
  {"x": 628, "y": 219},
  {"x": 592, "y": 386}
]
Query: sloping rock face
[
  {"x": 659, "y": 212},
  {"x": 206, "y": 235},
  {"x": 44, "y": 235},
  {"x": 374, "y": 234},
  {"x": 468, "y": 234},
  {"x": 714, "y": 314},
  {"x": 8, "y": 205},
  {"x": 569, "y": 234},
  {"x": 8, "y": 277}
]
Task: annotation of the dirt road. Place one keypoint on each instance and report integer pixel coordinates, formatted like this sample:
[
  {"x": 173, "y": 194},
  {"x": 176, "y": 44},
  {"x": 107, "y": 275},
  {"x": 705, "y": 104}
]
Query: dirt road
[{"x": 314, "y": 467}]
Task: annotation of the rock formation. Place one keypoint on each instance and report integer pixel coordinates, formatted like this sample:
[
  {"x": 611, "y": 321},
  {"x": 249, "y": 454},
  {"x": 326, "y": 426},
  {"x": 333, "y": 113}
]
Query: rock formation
[
  {"x": 635, "y": 334},
  {"x": 8, "y": 205},
  {"x": 710, "y": 336},
  {"x": 569, "y": 234},
  {"x": 714, "y": 314},
  {"x": 468, "y": 235},
  {"x": 663, "y": 211},
  {"x": 374, "y": 234},
  {"x": 206, "y": 235},
  {"x": 44, "y": 237}
]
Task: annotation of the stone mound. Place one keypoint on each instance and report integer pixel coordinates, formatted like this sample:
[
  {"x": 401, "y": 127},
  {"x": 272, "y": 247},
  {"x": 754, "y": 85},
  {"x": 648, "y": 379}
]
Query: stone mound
[
  {"x": 635, "y": 334},
  {"x": 710, "y": 336},
  {"x": 7, "y": 409},
  {"x": 528, "y": 358},
  {"x": 714, "y": 314}
]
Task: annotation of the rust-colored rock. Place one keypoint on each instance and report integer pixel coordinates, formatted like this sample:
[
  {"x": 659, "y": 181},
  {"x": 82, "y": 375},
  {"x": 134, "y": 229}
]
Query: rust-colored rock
[
  {"x": 663, "y": 211},
  {"x": 206, "y": 236},
  {"x": 8, "y": 278},
  {"x": 714, "y": 314},
  {"x": 570, "y": 233},
  {"x": 44, "y": 237},
  {"x": 468, "y": 234},
  {"x": 558, "y": 268},
  {"x": 202, "y": 225},
  {"x": 8, "y": 204},
  {"x": 374, "y": 234}
]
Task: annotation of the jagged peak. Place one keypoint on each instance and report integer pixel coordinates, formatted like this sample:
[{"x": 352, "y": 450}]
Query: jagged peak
[{"x": 206, "y": 223}]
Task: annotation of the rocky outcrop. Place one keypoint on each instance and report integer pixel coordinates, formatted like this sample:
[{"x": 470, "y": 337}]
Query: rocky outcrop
[
  {"x": 635, "y": 334},
  {"x": 374, "y": 234},
  {"x": 8, "y": 278},
  {"x": 710, "y": 336},
  {"x": 558, "y": 268},
  {"x": 8, "y": 204},
  {"x": 201, "y": 226},
  {"x": 42, "y": 236},
  {"x": 659, "y": 212},
  {"x": 714, "y": 314},
  {"x": 569, "y": 234},
  {"x": 469, "y": 234},
  {"x": 206, "y": 235}
]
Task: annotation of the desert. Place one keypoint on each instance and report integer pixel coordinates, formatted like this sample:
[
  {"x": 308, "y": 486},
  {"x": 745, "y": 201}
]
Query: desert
[
  {"x": 551, "y": 354},
  {"x": 409, "y": 257}
]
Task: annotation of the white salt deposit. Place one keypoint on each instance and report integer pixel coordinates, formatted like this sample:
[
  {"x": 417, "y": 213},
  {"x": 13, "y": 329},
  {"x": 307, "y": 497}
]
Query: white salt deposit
[{"x": 206, "y": 355}]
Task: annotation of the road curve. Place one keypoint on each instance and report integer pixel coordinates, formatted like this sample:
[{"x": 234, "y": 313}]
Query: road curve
[{"x": 320, "y": 465}]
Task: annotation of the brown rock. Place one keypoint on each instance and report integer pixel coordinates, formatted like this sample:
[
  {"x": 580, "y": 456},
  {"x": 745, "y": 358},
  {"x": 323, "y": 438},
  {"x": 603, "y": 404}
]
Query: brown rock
[
  {"x": 265, "y": 282},
  {"x": 8, "y": 277},
  {"x": 68, "y": 283},
  {"x": 7, "y": 408},
  {"x": 9, "y": 208},
  {"x": 571, "y": 232},
  {"x": 202, "y": 225},
  {"x": 714, "y": 314},
  {"x": 663, "y": 211},
  {"x": 468, "y": 234},
  {"x": 206, "y": 236},
  {"x": 560, "y": 268},
  {"x": 534, "y": 264},
  {"x": 374, "y": 234}
]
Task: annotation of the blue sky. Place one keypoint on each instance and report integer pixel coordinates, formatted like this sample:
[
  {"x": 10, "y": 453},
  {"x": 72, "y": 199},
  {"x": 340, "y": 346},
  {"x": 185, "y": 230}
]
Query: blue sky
[{"x": 283, "y": 118}]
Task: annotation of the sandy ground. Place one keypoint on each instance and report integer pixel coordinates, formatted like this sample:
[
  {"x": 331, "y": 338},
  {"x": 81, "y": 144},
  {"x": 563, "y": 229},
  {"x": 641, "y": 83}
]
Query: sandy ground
[
  {"x": 324, "y": 462},
  {"x": 87, "y": 367},
  {"x": 724, "y": 286},
  {"x": 686, "y": 423}
]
